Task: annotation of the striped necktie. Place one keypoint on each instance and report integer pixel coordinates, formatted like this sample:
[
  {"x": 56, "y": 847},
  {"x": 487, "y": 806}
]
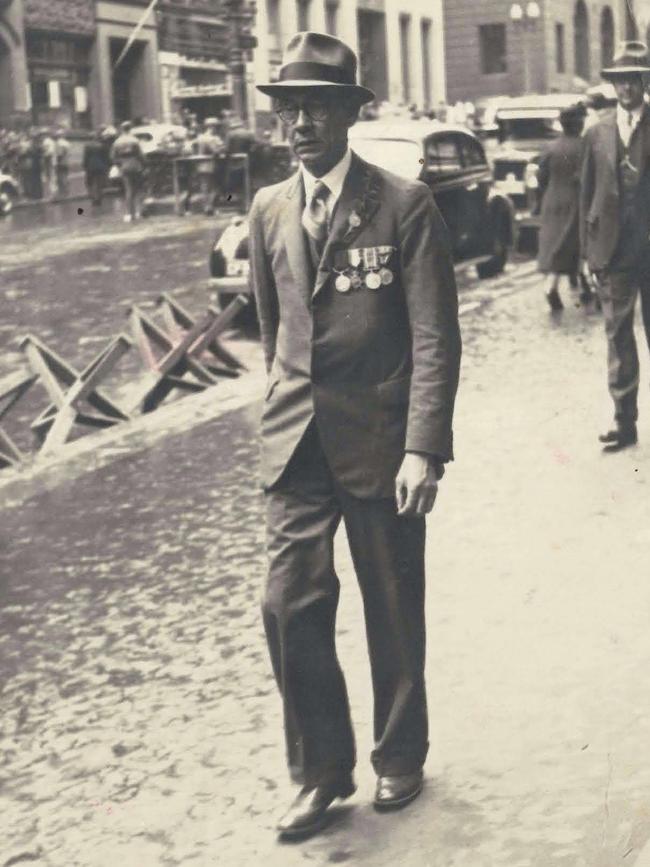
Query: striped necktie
[{"x": 315, "y": 215}]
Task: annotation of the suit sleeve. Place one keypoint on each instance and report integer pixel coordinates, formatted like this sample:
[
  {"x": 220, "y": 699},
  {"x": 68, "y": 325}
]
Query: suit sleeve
[
  {"x": 262, "y": 285},
  {"x": 586, "y": 190},
  {"x": 432, "y": 301}
]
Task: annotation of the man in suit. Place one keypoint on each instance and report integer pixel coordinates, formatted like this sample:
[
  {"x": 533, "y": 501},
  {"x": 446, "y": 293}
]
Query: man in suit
[
  {"x": 358, "y": 311},
  {"x": 615, "y": 230}
]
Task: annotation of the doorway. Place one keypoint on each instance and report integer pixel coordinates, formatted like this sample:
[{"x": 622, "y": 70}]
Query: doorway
[{"x": 124, "y": 78}]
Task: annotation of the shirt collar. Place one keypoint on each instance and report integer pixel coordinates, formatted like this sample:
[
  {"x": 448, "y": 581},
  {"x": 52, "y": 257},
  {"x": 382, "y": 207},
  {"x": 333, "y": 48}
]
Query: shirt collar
[
  {"x": 333, "y": 180},
  {"x": 622, "y": 114}
]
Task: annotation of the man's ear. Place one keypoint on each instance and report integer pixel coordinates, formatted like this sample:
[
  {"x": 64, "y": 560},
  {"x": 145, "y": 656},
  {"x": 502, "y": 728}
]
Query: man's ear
[{"x": 352, "y": 112}]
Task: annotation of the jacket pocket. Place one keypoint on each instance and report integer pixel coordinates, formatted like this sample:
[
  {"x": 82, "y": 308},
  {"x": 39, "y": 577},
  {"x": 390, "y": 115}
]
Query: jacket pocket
[{"x": 394, "y": 392}]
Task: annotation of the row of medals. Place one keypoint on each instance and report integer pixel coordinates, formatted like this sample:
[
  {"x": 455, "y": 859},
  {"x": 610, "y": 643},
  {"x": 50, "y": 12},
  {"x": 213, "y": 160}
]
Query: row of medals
[{"x": 372, "y": 262}]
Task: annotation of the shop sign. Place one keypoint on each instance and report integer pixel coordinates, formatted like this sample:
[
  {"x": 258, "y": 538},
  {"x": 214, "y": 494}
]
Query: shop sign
[{"x": 196, "y": 90}]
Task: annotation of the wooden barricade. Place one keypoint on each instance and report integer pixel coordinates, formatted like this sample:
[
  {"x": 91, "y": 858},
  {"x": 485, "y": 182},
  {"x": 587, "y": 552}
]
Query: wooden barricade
[
  {"x": 181, "y": 356},
  {"x": 12, "y": 388},
  {"x": 67, "y": 388},
  {"x": 187, "y": 356}
]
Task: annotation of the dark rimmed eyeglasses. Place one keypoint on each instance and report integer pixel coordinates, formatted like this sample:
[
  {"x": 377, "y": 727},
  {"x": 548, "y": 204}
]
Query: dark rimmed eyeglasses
[{"x": 288, "y": 110}]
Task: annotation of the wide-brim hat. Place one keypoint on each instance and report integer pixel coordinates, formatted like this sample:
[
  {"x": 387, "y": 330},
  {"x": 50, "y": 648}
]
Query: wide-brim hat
[
  {"x": 630, "y": 59},
  {"x": 318, "y": 61}
]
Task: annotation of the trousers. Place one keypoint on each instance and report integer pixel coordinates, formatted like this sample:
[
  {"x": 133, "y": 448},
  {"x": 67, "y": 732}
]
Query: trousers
[
  {"x": 618, "y": 291},
  {"x": 303, "y": 510}
]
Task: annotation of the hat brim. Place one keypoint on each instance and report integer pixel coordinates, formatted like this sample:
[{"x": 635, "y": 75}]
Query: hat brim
[
  {"x": 281, "y": 88},
  {"x": 616, "y": 71}
]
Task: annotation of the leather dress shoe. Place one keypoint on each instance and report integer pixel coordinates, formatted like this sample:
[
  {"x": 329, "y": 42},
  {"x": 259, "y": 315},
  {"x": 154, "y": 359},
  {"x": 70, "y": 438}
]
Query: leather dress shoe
[
  {"x": 619, "y": 438},
  {"x": 394, "y": 792},
  {"x": 308, "y": 812}
]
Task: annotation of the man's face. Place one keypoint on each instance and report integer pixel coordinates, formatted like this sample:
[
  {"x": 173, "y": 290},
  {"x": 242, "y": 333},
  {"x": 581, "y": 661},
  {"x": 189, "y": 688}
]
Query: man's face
[
  {"x": 317, "y": 127},
  {"x": 629, "y": 91}
]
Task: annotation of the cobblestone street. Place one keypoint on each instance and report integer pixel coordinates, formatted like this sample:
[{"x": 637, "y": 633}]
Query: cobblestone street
[{"x": 141, "y": 724}]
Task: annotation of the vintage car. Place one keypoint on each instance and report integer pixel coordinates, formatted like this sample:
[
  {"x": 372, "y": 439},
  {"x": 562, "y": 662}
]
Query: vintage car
[
  {"x": 9, "y": 192},
  {"x": 449, "y": 159},
  {"x": 525, "y": 126},
  {"x": 167, "y": 138}
]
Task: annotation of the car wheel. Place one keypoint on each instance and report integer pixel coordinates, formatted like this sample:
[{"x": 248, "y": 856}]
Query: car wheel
[{"x": 497, "y": 261}]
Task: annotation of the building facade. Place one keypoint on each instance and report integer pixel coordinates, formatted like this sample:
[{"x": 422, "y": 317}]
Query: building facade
[
  {"x": 497, "y": 48},
  {"x": 14, "y": 93},
  {"x": 400, "y": 45},
  {"x": 62, "y": 62},
  {"x": 194, "y": 54}
]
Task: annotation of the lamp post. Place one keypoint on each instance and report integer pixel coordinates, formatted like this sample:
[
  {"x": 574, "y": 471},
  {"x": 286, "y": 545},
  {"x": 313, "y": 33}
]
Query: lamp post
[{"x": 524, "y": 17}]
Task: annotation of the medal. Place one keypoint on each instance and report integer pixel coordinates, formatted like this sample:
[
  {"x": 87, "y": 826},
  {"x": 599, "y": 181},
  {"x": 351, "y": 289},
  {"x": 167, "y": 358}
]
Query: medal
[
  {"x": 355, "y": 279},
  {"x": 373, "y": 280},
  {"x": 342, "y": 283},
  {"x": 386, "y": 276}
]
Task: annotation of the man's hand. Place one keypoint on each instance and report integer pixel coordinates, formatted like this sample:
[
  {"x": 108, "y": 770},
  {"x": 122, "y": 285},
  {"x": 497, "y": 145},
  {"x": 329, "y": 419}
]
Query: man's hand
[{"x": 416, "y": 485}]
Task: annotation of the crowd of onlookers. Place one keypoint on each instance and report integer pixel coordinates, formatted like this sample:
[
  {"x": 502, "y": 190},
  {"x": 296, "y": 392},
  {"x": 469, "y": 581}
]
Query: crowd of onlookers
[{"x": 39, "y": 161}]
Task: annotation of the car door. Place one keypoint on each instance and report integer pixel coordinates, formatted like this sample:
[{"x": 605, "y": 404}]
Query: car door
[
  {"x": 444, "y": 174},
  {"x": 477, "y": 182}
]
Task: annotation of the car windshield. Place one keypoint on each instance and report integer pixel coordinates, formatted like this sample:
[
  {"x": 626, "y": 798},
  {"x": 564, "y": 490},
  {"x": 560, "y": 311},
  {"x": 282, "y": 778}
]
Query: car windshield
[
  {"x": 395, "y": 155},
  {"x": 529, "y": 128}
]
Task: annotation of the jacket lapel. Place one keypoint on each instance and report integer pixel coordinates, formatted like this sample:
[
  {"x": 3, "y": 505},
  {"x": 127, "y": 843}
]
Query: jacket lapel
[
  {"x": 357, "y": 204},
  {"x": 610, "y": 140},
  {"x": 294, "y": 236}
]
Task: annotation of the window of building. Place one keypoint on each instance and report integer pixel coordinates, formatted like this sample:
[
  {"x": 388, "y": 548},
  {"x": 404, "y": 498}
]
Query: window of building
[
  {"x": 303, "y": 14},
  {"x": 405, "y": 39},
  {"x": 425, "y": 36},
  {"x": 560, "y": 62},
  {"x": 492, "y": 42},
  {"x": 331, "y": 17}
]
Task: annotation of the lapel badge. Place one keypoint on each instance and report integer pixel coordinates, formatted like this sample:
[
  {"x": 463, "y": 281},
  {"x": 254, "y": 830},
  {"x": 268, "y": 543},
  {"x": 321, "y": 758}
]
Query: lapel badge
[{"x": 354, "y": 220}]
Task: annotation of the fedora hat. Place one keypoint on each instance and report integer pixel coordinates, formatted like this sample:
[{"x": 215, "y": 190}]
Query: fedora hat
[
  {"x": 317, "y": 60},
  {"x": 631, "y": 58}
]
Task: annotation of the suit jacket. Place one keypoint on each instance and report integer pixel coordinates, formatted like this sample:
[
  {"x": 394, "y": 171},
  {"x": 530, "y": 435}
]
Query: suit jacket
[
  {"x": 600, "y": 204},
  {"x": 377, "y": 368}
]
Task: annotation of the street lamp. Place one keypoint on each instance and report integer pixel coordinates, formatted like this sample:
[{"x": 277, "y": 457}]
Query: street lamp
[{"x": 525, "y": 17}]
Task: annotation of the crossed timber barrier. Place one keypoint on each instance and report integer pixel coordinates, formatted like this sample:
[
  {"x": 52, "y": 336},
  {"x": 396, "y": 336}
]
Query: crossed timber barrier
[{"x": 182, "y": 354}]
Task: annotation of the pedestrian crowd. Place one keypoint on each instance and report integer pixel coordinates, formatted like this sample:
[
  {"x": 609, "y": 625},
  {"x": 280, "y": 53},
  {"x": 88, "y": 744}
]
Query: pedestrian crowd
[{"x": 38, "y": 159}]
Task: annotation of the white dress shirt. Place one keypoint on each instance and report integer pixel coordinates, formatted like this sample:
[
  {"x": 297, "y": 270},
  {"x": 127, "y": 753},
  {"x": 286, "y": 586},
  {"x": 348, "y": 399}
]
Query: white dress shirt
[
  {"x": 627, "y": 122},
  {"x": 333, "y": 180}
]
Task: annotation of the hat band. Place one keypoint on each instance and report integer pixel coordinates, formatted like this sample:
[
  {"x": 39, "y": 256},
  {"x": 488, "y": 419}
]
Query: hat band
[{"x": 319, "y": 72}]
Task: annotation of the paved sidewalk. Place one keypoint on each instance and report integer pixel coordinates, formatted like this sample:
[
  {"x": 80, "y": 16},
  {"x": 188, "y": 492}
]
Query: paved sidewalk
[{"x": 140, "y": 722}]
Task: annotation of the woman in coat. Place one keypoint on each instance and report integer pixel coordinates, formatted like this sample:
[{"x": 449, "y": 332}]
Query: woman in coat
[{"x": 559, "y": 188}]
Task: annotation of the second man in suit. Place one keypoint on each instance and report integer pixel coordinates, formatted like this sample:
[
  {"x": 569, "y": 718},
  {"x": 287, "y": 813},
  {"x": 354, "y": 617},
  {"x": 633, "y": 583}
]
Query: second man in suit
[{"x": 615, "y": 230}]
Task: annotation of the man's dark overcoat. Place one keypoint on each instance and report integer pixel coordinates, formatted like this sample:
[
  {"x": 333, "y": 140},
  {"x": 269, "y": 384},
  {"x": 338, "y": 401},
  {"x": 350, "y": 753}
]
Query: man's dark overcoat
[{"x": 376, "y": 368}]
